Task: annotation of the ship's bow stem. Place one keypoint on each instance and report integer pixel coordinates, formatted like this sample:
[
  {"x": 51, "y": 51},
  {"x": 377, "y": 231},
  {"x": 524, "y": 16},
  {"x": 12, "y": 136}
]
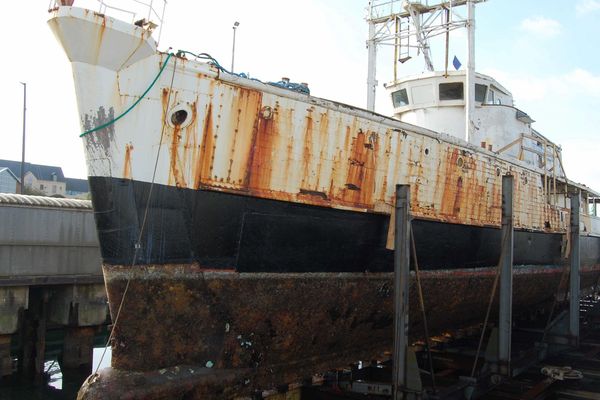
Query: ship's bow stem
[{"x": 98, "y": 47}]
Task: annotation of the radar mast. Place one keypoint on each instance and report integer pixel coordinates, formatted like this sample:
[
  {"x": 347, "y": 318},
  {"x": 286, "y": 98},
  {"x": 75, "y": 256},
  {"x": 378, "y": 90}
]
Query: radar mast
[{"x": 408, "y": 26}]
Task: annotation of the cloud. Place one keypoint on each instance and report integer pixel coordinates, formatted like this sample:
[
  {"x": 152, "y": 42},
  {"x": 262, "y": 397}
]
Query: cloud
[
  {"x": 541, "y": 26},
  {"x": 526, "y": 88},
  {"x": 585, "y": 6},
  {"x": 584, "y": 82}
]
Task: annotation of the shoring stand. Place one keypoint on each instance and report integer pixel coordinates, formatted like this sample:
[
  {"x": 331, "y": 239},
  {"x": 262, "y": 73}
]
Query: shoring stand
[
  {"x": 503, "y": 366},
  {"x": 563, "y": 331},
  {"x": 406, "y": 376}
]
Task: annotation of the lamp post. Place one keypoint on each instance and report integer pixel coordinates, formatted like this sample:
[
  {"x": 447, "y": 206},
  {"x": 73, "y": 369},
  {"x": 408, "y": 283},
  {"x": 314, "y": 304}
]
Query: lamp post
[
  {"x": 235, "y": 25},
  {"x": 23, "y": 146}
]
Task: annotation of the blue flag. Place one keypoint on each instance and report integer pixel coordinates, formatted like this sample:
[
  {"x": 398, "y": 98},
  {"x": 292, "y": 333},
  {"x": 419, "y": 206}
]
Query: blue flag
[{"x": 456, "y": 63}]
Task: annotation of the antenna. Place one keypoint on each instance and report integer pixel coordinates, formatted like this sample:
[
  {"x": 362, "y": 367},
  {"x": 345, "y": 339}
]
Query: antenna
[{"x": 395, "y": 22}]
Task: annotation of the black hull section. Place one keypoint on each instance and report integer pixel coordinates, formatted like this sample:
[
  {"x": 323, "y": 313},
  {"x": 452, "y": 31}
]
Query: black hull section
[{"x": 226, "y": 231}]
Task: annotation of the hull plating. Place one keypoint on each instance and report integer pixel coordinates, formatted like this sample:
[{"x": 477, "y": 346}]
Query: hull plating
[
  {"x": 249, "y": 234},
  {"x": 285, "y": 326},
  {"x": 289, "y": 198}
]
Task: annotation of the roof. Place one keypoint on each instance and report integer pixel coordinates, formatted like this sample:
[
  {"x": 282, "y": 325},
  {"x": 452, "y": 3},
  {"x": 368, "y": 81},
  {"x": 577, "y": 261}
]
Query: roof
[
  {"x": 479, "y": 78},
  {"x": 41, "y": 201},
  {"x": 42, "y": 172},
  {"x": 2, "y": 169},
  {"x": 77, "y": 185}
]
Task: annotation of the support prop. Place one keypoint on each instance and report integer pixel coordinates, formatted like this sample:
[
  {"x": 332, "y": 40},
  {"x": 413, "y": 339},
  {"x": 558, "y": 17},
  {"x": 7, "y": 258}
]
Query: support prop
[
  {"x": 506, "y": 279},
  {"x": 406, "y": 383}
]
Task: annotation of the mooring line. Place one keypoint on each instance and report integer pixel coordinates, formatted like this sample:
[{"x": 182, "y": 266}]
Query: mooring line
[
  {"x": 422, "y": 304},
  {"x": 561, "y": 283},
  {"x": 492, "y": 295},
  {"x": 138, "y": 245}
]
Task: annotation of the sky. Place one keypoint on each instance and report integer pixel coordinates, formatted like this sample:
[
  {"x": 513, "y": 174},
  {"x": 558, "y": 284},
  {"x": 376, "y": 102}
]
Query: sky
[{"x": 545, "y": 52}]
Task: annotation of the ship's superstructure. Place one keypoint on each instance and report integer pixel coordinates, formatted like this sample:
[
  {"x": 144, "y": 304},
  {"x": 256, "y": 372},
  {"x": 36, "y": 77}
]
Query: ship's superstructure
[{"x": 252, "y": 221}]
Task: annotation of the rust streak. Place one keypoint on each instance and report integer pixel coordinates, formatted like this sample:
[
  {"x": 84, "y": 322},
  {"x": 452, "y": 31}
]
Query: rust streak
[
  {"x": 360, "y": 180},
  {"x": 323, "y": 146},
  {"x": 203, "y": 171},
  {"x": 175, "y": 172},
  {"x": 260, "y": 162},
  {"x": 189, "y": 145},
  {"x": 246, "y": 105},
  {"x": 127, "y": 163},
  {"x": 307, "y": 155}
]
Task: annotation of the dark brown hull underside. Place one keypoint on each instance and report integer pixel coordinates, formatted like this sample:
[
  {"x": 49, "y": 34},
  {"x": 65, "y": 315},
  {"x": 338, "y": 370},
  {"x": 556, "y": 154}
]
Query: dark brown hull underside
[{"x": 286, "y": 326}]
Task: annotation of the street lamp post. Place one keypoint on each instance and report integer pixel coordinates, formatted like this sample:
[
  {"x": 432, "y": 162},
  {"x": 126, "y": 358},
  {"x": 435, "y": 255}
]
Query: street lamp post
[
  {"x": 23, "y": 146},
  {"x": 235, "y": 25}
]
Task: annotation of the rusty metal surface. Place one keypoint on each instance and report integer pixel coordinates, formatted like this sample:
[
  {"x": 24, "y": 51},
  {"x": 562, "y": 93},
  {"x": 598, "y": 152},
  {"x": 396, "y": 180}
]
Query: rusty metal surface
[
  {"x": 254, "y": 142},
  {"x": 287, "y": 326},
  {"x": 184, "y": 381},
  {"x": 251, "y": 138}
]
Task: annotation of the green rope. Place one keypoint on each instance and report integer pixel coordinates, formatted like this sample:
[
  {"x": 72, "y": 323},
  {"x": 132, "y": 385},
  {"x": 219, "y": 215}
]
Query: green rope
[{"x": 133, "y": 105}]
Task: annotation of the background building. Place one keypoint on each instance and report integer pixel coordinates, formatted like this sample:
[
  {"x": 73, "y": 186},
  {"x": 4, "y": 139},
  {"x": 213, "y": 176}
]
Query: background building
[
  {"x": 77, "y": 188},
  {"x": 46, "y": 180},
  {"x": 9, "y": 183}
]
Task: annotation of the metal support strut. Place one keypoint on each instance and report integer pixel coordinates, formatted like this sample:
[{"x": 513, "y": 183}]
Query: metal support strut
[
  {"x": 406, "y": 380},
  {"x": 401, "y": 277},
  {"x": 574, "y": 288},
  {"x": 506, "y": 277}
]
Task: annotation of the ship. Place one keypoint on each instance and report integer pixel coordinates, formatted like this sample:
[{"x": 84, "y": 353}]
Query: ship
[{"x": 245, "y": 225}]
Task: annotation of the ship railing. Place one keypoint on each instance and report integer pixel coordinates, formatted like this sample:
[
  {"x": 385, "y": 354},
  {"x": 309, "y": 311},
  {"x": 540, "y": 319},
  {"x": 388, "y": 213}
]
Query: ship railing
[
  {"x": 149, "y": 13},
  {"x": 380, "y": 11},
  {"x": 549, "y": 160},
  {"x": 589, "y": 214}
]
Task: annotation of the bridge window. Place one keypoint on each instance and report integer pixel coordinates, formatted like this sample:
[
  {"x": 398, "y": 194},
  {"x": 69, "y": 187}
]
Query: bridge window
[
  {"x": 451, "y": 91},
  {"x": 480, "y": 92},
  {"x": 400, "y": 98}
]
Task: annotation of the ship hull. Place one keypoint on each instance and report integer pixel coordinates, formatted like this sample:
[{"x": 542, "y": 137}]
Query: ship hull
[
  {"x": 250, "y": 223},
  {"x": 220, "y": 230},
  {"x": 287, "y": 290},
  {"x": 287, "y": 326}
]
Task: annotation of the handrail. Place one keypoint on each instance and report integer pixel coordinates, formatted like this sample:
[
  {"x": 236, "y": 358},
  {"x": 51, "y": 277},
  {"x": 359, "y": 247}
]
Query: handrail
[{"x": 147, "y": 11}]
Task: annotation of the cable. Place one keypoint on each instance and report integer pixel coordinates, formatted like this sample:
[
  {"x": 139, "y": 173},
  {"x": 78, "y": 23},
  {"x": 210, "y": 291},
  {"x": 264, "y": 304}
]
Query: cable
[
  {"x": 104, "y": 125},
  {"x": 137, "y": 245},
  {"x": 422, "y": 304},
  {"x": 296, "y": 87},
  {"x": 492, "y": 295}
]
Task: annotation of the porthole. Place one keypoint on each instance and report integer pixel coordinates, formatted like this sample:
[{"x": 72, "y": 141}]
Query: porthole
[
  {"x": 460, "y": 162},
  {"x": 180, "y": 116},
  {"x": 426, "y": 151}
]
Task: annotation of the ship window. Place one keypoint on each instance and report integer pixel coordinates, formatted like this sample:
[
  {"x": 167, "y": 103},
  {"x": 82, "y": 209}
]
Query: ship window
[
  {"x": 400, "y": 98},
  {"x": 179, "y": 117},
  {"x": 422, "y": 94},
  {"x": 480, "y": 92},
  {"x": 451, "y": 91}
]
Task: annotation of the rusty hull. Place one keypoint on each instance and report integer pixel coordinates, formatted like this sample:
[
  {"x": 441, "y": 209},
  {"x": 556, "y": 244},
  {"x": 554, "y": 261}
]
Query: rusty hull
[
  {"x": 264, "y": 142},
  {"x": 184, "y": 381},
  {"x": 286, "y": 326}
]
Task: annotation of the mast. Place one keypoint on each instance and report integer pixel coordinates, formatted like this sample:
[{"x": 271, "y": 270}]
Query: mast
[
  {"x": 372, "y": 68},
  {"x": 423, "y": 21},
  {"x": 470, "y": 73}
]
